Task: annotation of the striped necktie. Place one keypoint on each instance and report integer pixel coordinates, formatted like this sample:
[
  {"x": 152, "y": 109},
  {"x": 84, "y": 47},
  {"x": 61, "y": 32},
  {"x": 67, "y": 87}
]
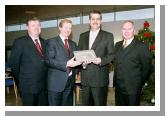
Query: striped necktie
[
  {"x": 39, "y": 48},
  {"x": 125, "y": 44},
  {"x": 68, "y": 52},
  {"x": 67, "y": 48}
]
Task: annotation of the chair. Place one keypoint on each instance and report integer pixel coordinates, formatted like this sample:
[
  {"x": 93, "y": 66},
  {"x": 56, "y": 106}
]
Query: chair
[{"x": 9, "y": 81}]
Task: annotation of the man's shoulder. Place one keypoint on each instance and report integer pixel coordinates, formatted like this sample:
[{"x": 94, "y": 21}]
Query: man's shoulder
[
  {"x": 140, "y": 44},
  {"x": 41, "y": 38},
  {"x": 53, "y": 39},
  {"x": 72, "y": 42},
  {"x": 85, "y": 33},
  {"x": 119, "y": 43},
  {"x": 105, "y": 32},
  {"x": 138, "y": 41},
  {"x": 21, "y": 39}
]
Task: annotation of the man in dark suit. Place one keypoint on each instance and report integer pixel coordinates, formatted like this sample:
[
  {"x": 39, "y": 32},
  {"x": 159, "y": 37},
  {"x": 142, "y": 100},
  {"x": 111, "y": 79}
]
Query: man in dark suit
[
  {"x": 61, "y": 77},
  {"x": 27, "y": 63},
  {"x": 132, "y": 67},
  {"x": 95, "y": 77}
]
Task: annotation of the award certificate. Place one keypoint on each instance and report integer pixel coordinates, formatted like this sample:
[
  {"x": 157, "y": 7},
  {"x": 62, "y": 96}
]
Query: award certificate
[{"x": 85, "y": 55}]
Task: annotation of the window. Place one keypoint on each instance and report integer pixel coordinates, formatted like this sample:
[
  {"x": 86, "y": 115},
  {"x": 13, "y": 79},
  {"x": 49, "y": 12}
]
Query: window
[
  {"x": 6, "y": 28},
  {"x": 85, "y": 19},
  {"x": 13, "y": 28},
  {"x": 106, "y": 17},
  {"x": 75, "y": 20},
  {"x": 49, "y": 23},
  {"x": 23, "y": 27},
  {"x": 135, "y": 14}
]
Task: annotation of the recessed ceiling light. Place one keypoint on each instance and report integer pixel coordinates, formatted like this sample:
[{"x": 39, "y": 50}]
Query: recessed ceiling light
[{"x": 30, "y": 12}]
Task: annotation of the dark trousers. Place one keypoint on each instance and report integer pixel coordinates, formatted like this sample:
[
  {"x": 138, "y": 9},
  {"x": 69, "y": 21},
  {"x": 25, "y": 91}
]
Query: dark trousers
[
  {"x": 94, "y": 96},
  {"x": 34, "y": 99},
  {"x": 64, "y": 98},
  {"x": 122, "y": 99}
]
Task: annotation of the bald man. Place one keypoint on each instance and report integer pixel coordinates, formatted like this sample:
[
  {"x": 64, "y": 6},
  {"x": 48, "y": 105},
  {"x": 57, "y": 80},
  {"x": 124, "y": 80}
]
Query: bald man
[{"x": 132, "y": 67}]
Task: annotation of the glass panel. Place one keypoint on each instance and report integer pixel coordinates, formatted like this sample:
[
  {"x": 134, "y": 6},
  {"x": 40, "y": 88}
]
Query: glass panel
[
  {"x": 49, "y": 23},
  {"x": 13, "y": 28},
  {"x": 6, "y": 28},
  {"x": 135, "y": 14},
  {"x": 75, "y": 20},
  {"x": 85, "y": 19},
  {"x": 106, "y": 17},
  {"x": 23, "y": 27}
]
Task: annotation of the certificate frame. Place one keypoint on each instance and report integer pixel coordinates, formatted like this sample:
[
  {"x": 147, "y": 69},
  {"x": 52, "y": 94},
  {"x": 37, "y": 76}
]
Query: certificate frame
[{"x": 85, "y": 55}]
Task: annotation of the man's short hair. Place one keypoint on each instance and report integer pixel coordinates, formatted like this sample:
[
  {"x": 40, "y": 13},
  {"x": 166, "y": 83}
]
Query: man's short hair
[
  {"x": 32, "y": 18},
  {"x": 129, "y": 21},
  {"x": 64, "y": 21},
  {"x": 95, "y": 12}
]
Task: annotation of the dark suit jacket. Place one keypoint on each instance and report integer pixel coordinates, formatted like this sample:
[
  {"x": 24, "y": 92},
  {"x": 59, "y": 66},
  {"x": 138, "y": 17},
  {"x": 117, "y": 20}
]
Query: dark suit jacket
[
  {"x": 27, "y": 65},
  {"x": 56, "y": 59},
  {"x": 132, "y": 66},
  {"x": 97, "y": 75}
]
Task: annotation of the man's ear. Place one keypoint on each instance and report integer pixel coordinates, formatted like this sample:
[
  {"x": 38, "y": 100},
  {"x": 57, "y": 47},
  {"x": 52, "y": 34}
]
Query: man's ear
[{"x": 59, "y": 28}]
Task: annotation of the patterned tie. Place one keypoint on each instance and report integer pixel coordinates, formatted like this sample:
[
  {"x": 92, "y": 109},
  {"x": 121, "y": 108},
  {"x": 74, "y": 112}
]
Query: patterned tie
[
  {"x": 125, "y": 44},
  {"x": 39, "y": 48},
  {"x": 68, "y": 53},
  {"x": 67, "y": 48}
]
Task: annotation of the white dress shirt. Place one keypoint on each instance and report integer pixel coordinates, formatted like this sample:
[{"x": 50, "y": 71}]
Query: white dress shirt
[
  {"x": 92, "y": 37},
  {"x": 33, "y": 39},
  {"x": 127, "y": 41},
  {"x": 63, "y": 38}
]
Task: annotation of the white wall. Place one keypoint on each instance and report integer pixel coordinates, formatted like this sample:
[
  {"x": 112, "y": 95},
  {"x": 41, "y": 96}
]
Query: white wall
[{"x": 114, "y": 27}]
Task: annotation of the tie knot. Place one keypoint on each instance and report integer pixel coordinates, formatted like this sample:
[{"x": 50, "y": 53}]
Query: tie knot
[
  {"x": 65, "y": 40},
  {"x": 125, "y": 44},
  {"x": 36, "y": 40}
]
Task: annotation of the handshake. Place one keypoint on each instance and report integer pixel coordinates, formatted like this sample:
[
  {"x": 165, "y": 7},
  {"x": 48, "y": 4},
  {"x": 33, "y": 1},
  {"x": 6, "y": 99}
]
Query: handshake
[{"x": 83, "y": 57}]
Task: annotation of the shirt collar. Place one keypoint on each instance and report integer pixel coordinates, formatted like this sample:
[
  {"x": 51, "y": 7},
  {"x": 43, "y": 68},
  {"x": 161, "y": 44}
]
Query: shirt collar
[
  {"x": 63, "y": 38},
  {"x": 128, "y": 41},
  {"x": 95, "y": 31},
  {"x": 33, "y": 39}
]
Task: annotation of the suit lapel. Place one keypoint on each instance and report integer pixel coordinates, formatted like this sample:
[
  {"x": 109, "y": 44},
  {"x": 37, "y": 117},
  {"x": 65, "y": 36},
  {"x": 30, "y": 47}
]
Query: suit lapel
[
  {"x": 71, "y": 48},
  {"x": 32, "y": 46},
  {"x": 120, "y": 46},
  {"x": 86, "y": 40},
  {"x": 61, "y": 43},
  {"x": 129, "y": 47},
  {"x": 97, "y": 40},
  {"x": 42, "y": 45}
]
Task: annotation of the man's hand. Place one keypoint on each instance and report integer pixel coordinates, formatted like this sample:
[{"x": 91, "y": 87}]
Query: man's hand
[
  {"x": 73, "y": 63},
  {"x": 85, "y": 63},
  {"x": 97, "y": 61}
]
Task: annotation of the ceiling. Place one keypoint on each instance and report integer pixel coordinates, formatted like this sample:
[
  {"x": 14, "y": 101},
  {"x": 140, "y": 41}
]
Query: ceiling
[{"x": 19, "y": 13}]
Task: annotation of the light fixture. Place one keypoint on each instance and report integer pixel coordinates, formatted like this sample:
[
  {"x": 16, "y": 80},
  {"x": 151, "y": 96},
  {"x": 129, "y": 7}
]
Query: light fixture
[{"x": 30, "y": 12}]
